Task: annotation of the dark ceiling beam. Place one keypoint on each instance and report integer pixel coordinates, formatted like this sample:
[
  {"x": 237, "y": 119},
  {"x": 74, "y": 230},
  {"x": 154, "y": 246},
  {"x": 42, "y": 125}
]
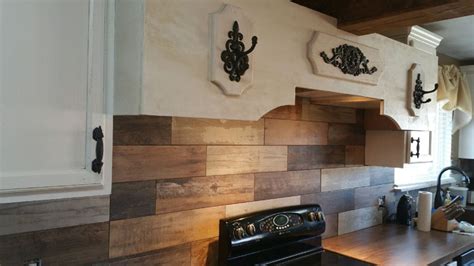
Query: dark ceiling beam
[{"x": 369, "y": 16}]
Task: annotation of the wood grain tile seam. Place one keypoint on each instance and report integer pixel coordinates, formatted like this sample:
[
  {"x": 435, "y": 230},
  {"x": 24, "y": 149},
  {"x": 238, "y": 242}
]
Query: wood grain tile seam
[
  {"x": 205, "y": 162},
  {"x": 108, "y": 238},
  {"x": 327, "y": 141}
]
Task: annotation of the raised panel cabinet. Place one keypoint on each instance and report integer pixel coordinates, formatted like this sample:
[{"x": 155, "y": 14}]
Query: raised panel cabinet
[
  {"x": 397, "y": 148},
  {"x": 55, "y": 90}
]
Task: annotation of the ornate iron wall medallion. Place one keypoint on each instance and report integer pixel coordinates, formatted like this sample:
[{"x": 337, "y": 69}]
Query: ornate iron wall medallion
[
  {"x": 235, "y": 58},
  {"x": 418, "y": 93},
  {"x": 349, "y": 59}
]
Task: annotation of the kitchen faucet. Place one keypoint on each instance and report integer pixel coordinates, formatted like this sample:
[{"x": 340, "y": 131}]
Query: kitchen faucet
[{"x": 438, "y": 199}]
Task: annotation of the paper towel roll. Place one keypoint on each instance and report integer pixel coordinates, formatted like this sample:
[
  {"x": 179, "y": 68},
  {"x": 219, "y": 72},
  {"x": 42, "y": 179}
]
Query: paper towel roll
[{"x": 424, "y": 211}]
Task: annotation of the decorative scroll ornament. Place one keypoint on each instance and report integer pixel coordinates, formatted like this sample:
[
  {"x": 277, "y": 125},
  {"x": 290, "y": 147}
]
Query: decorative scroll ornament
[
  {"x": 235, "y": 58},
  {"x": 418, "y": 93},
  {"x": 349, "y": 59}
]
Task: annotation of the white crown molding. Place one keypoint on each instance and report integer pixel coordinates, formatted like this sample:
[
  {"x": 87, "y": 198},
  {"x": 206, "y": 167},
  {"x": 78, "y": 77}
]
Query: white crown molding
[{"x": 424, "y": 36}]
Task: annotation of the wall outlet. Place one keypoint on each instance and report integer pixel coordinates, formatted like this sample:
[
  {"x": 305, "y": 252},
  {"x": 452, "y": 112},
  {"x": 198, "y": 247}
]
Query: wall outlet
[{"x": 381, "y": 201}]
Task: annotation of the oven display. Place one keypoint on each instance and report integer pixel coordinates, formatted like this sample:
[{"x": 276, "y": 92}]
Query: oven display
[{"x": 280, "y": 222}]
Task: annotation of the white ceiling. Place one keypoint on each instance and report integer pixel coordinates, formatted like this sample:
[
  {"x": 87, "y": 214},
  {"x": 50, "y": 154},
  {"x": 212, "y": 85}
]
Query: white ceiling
[{"x": 458, "y": 36}]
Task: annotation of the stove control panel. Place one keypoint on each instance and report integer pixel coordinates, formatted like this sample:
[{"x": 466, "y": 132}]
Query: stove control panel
[
  {"x": 280, "y": 222},
  {"x": 276, "y": 227},
  {"x": 277, "y": 223}
]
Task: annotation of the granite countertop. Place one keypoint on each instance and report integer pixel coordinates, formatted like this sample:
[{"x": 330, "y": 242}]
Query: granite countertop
[{"x": 392, "y": 244}]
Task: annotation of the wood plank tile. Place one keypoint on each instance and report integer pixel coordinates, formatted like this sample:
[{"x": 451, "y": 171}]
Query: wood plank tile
[
  {"x": 141, "y": 130},
  {"x": 222, "y": 160},
  {"x": 197, "y": 192},
  {"x": 288, "y": 112},
  {"x": 284, "y": 184},
  {"x": 367, "y": 196},
  {"x": 341, "y": 134},
  {"x": 333, "y": 114},
  {"x": 374, "y": 121},
  {"x": 76, "y": 245},
  {"x": 213, "y": 131},
  {"x": 332, "y": 201},
  {"x": 355, "y": 155},
  {"x": 138, "y": 235},
  {"x": 135, "y": 163},
  {"x": 358, "y": 219},
  {"x": 331, "y": 225},
  {"x": 381, "y": 175},
  {"x": 312, "y": 157},
  {"x": 132, "y": 199},
  {"x": 178, "y": 255},
  {"x": 41, "y": 215},
  {"x": 204, "y": 252},
  {"x": 255, "y": 206},
  {"x": 287, "y": 132},
  {"x": 360, "y": 117},
  {"x": 344, "y": 178}
]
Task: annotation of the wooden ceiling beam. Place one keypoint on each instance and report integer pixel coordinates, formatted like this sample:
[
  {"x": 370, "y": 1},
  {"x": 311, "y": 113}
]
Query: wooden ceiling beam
[{"x": 368, "y": 16}]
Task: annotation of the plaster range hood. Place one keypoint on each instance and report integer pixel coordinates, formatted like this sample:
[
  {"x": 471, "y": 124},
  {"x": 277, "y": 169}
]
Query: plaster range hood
[{"x": 168, "y": 62}]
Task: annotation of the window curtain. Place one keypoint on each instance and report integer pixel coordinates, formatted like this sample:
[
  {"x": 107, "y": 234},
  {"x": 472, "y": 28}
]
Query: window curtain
[{"x": 455, "y": 95}]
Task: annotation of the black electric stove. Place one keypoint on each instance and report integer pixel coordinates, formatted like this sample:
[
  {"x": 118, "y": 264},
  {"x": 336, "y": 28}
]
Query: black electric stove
[{"x": 284, "y": 236}]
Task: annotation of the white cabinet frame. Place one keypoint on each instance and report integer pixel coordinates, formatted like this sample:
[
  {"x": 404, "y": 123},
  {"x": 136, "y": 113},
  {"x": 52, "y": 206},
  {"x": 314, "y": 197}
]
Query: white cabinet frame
[{"x": 42, "y": 185}]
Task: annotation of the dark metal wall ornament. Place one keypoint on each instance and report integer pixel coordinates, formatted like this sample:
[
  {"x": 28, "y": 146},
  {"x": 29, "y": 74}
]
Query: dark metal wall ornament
[
  {"x": 235, "y": 58},
  {"x": 349, "y": 59},
  {"x": 418, "y": 93},
  {"x": 97, "y": 163}
]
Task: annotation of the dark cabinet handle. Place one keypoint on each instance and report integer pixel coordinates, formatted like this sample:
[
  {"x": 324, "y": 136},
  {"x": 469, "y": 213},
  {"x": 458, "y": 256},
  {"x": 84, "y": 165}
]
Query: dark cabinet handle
[
  {"x": 418, "y": 93},
  {"x": 97, "y": 163},
  {"x": 417, "y": 154}
]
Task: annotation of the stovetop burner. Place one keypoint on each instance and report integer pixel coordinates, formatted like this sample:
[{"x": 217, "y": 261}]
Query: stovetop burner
[{"x": 284, "y": 236}]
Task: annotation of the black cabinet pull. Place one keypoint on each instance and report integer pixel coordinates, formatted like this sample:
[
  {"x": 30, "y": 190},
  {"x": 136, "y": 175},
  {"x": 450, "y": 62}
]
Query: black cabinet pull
[
  {"x": 97, "y": 163},
  {"x": 418, "y": 93},
  {"x": 417, "y": 154}
]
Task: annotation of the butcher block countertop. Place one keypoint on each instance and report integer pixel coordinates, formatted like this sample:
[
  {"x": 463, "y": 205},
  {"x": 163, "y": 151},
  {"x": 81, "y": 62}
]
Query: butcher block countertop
[{"x": 392, "y": 244}]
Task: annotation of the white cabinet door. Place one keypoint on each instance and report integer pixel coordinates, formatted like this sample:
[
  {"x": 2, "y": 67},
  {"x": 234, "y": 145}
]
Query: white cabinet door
[
  {"x": 54, "y": 91},
  {"x": 419, "y": 147}
]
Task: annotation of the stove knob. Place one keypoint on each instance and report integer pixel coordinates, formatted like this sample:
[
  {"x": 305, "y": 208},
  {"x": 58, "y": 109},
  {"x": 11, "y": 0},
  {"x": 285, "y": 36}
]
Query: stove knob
[
  {"x": 239, "y": 232},
  {"x": 312, "y": 216},
  {"x": 320, "y": 216},
  {"x": 251, "y": 229}
]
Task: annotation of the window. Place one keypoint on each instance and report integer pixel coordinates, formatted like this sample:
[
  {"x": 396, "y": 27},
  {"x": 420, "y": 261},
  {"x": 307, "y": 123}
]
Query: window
[{"x": 441, "y": 145}]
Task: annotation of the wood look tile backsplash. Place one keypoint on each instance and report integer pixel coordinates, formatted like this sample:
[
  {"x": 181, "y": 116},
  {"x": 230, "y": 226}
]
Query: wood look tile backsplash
[
  {"x": 283, "y": 184},
  {"x": 135, "y": 163},
  {"x": 222, "y": 160},
  {"x": 174, "y": 178},
  {"x": 211, "y": 131},
  {"x": 132, "y": 199},
  {"x": 287, "y": 132},
  {"x": 77, "y": 245},
  {"x": 138, "y": 235},
  {"x": 42, "y": 215},
  {"x": 198, "y": 192}
]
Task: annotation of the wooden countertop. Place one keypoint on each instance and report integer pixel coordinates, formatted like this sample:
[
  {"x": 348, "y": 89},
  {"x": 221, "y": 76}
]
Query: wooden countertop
[{"x": 400, "y": 245}]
